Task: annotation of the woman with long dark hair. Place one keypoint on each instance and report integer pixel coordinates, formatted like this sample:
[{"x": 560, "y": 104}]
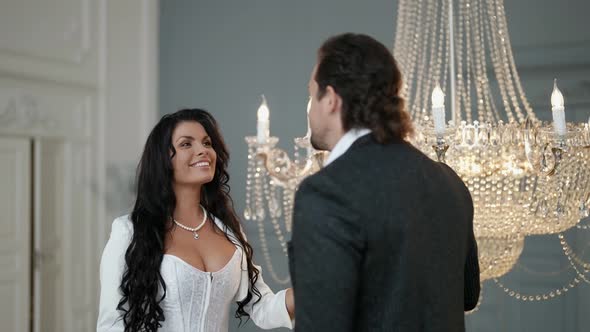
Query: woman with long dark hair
[{"x": 180, "y": 259}]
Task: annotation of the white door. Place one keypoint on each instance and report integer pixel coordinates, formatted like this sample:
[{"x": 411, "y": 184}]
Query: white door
[
  {"x": 15, "y": 234},
  {"x": 77, "y": 78}
]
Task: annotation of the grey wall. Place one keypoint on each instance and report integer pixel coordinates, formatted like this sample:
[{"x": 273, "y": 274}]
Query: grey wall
[{"x": 221, "y": 55}]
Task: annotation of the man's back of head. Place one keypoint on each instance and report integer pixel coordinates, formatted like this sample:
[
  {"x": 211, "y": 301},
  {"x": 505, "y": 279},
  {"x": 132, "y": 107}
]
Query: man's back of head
[{"x": 363, "y": 72}]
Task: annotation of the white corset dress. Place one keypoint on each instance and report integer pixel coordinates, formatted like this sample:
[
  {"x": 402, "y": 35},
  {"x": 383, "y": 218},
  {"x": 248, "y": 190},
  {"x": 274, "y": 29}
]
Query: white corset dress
[{"x": 196, "y": 300}]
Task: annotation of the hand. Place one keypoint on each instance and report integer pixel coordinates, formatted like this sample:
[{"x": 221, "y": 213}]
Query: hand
[{"x": 290, "y": 302}]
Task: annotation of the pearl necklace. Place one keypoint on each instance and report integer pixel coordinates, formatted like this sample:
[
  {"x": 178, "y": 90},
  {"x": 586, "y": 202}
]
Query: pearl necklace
[{"x": 195, "y": 229}]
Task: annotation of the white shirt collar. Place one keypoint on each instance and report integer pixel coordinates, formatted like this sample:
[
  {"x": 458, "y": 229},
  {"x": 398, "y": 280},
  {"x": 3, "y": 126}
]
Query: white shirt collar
[{"x": 344, "y": 143}]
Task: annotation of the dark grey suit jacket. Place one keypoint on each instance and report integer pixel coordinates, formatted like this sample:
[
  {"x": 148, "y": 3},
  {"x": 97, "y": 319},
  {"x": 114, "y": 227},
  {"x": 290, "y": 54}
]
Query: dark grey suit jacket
[{"x": 383, "y": 241}]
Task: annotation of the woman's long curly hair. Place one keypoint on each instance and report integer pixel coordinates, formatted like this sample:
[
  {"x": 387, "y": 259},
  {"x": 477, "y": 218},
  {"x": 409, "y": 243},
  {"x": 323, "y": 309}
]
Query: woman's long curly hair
[
  {"x": 363, "y": 72},
  {"x": 142, "y": 285}
]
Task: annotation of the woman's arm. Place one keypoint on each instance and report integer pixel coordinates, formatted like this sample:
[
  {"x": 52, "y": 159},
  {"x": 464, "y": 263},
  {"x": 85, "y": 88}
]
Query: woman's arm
[
  {"x": 112, "y": 266},
  {"x": 272, "y": 311},
  {"x": 290, "y": 303}
]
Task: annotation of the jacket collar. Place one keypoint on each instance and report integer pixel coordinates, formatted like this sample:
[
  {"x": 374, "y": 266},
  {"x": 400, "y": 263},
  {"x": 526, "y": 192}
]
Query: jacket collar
[{"x": 345, "y": 143}]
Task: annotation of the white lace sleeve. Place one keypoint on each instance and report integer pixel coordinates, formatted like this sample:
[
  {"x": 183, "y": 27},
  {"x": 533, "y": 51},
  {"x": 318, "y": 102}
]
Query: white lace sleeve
[{"x": 271, "y": 311}]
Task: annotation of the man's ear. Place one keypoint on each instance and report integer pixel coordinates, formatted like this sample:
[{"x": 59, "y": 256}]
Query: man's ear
[{"x": 334, "y": 101}]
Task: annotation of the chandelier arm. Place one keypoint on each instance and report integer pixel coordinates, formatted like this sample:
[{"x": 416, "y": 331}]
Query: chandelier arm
[
  {"x": 283, "y": 176},
  {"x": 289, "y": 171}
]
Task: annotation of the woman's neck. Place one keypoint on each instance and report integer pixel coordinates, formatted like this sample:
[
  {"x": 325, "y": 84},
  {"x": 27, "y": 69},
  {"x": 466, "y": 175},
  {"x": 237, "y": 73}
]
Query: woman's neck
[{"x": 187, "y": 210}]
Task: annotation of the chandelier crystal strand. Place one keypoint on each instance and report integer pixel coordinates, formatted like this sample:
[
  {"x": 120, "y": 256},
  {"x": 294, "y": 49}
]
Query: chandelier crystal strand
[
  {"x": 249, "y": 174},
  {"x": 498, "y": 57},
  {"x": 266, "y": 253},
  {"x": 485, "y": 38},
  {"x": 584, "y": 227},
  {"x": 572, "y": 259},
  {"x": 570, "y": 256},
  {"x": 464, "y": 37},
  {"x": 259, "y": 177},
  {"x": 556, "y": 292},
  {"x": 288, "y": 200},
  {"x": 422, "y": 84},
  {"x": 438, "y": 46},
  {"x": 517, "y": 82},
  {"x": 430, "y": 39},
  {"x": 485, "y": 99},
  {"x": 400, "y": 27},
  {"x": 273, "y": 206},
  {"x": 576, "y": 258},
  {"x": 499, "y": 48},
  {"x": 479, "y": 301},
  {"x": 446, "y": 41},
  {"x": 503, "y": 40},
  {"x": 412, "y": 44}
]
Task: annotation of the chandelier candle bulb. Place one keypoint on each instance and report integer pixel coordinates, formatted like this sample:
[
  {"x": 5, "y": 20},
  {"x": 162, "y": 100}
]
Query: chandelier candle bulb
[
  {"x": 263, "y": 124},
  {"x": 558, "y": 110},
  {"x": 438, "y": 110}
]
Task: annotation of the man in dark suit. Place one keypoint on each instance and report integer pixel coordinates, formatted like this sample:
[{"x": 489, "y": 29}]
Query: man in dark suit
[{"x": 382, "y": 235}]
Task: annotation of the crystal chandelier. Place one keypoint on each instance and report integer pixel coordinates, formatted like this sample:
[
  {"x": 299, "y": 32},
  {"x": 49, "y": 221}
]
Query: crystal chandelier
[{"x": 526, "y": 177}]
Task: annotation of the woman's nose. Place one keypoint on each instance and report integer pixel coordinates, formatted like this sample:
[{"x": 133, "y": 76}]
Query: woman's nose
[{"x": 201, "y": 150}]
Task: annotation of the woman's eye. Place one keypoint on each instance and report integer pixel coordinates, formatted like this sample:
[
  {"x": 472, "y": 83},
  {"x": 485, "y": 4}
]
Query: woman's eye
[
  {"x": 207, "y": 143},
  {"x": 185, "y": 144}
]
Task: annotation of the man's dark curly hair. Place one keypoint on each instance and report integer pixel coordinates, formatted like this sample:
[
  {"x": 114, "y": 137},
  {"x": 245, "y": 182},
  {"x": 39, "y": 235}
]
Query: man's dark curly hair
[{"x": 363, "y": 72}]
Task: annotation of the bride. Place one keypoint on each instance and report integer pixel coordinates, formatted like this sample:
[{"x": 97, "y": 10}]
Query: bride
[{"x": 180, "y": 259}]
